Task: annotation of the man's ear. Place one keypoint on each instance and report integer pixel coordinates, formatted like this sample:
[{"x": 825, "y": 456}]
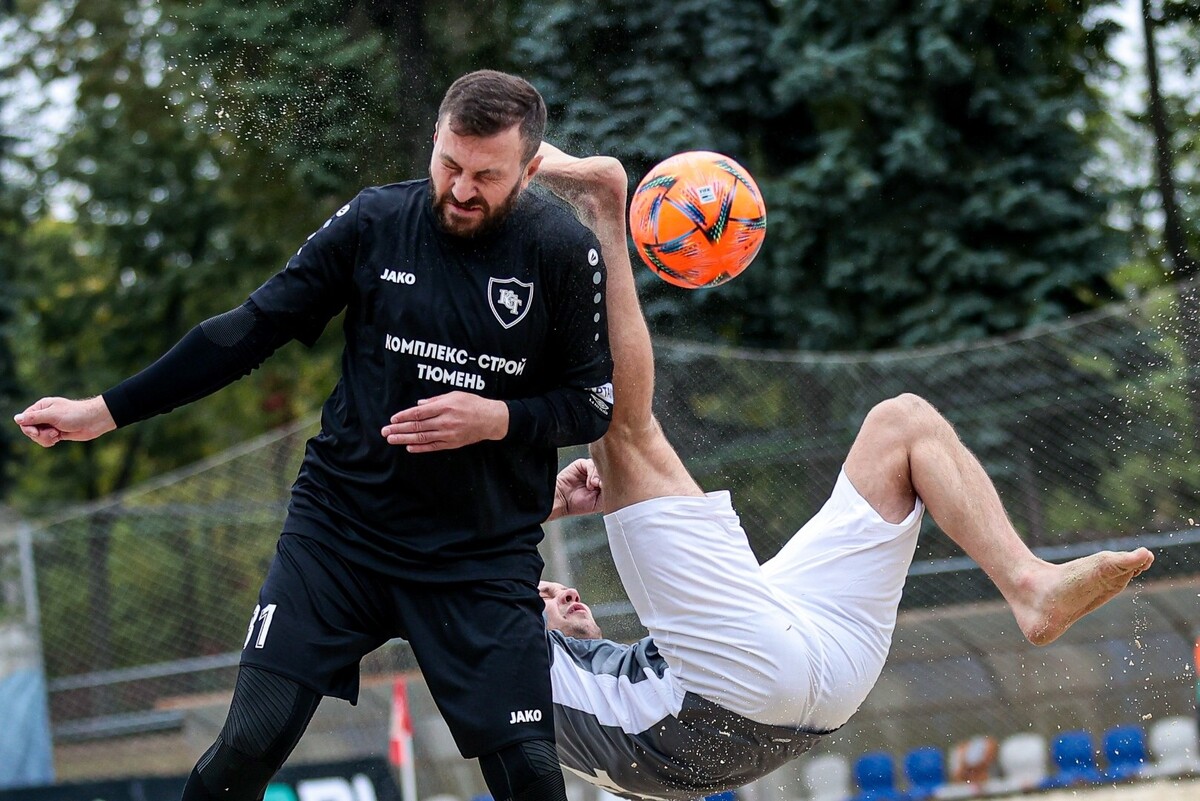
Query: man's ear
[{"x": 531, "y": 168}]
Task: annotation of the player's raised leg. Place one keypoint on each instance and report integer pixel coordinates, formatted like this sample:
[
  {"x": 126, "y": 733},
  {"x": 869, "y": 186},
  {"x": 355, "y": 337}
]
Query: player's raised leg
[
  {"x": 906, "y": 449},
  {"x": 634, "y": 458}
]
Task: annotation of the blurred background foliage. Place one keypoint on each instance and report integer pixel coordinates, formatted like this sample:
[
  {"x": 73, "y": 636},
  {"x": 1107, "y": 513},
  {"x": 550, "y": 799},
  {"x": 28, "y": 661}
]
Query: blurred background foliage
[{"x": 935, "y": 172}]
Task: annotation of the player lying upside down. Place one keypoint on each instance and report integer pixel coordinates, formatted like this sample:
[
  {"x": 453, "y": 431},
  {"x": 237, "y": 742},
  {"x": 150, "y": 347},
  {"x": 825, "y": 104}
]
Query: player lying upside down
[{"x": 747, "y": 665}]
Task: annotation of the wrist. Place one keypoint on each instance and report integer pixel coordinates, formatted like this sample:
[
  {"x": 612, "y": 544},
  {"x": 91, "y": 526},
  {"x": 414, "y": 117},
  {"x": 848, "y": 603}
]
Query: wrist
[
  {"x": 558, "y": 508},
  {"x": 500, "y": 420},
  {"x": 100, "y": 415}
]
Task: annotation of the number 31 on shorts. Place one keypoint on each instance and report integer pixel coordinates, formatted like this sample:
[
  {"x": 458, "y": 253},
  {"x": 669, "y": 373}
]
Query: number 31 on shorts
[{"x": 263, "y": 614}]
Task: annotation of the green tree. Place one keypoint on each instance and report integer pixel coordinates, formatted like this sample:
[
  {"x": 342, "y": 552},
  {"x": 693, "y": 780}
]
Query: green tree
[
  {"x": 208, "y": 142},
  {"x": 12, "y": 227},
  {"x": 145, "y": 255},
  {"x": 1151, "y": 150},
  {"x": 316, "y": 89},
  {"x": 1163, "y": 121},
  {"x": 155, "y": 242},
  {"x": 923, "y": 166},
  {"x": 1155, "y": 169},
  {"x": 14, "y": 195},
  {"x": 335, "y": 95},
  {"x": 927, "y": 175},
  {"x": 1171, "y": 121}
]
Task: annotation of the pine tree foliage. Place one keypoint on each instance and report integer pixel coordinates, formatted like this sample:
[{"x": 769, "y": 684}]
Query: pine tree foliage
[{"x": 923, "y": 164}]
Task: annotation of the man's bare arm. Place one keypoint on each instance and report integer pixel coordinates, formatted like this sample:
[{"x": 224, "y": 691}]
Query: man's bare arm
[
  {"x": 634, "y": 458},
  {"x": 597, "y": 188}
]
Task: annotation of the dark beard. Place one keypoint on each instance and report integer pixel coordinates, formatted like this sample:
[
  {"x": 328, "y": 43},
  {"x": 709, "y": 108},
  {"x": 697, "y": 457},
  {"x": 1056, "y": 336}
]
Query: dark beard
[{"x": 493, "y": 219}]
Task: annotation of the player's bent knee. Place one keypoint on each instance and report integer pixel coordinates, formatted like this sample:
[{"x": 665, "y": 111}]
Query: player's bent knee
[
  {"x": 526, "y": 771},
  {"x": 905, "y": 406},
  {"x": 268, "y": 714},
  {"x": 905, "y": 415}
]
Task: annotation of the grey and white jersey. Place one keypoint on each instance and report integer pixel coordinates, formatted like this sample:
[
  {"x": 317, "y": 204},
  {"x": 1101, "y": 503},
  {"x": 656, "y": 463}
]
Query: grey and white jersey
[{"x": 623, "y": 722}]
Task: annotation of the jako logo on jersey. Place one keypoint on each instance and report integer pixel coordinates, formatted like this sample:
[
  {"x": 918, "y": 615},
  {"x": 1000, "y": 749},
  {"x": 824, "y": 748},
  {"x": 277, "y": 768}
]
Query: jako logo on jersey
[
  {"x": 525, "y": 716},
  {"x": 509, "y": 300},
  {"x": 593, "y": 257},
  {"x": 398, "y": 277}
]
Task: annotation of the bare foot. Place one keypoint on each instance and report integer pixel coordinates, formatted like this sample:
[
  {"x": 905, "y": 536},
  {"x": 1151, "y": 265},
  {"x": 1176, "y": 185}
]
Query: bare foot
[
  {"x": 1052, "y": 597},
  {"x": 594, "y": 186}
]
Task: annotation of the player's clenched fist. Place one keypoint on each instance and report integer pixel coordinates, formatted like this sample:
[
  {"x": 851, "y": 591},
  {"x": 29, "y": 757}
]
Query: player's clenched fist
[
  {"x": 52, "y": 420},
  {"x": 577, "y": 490},
  {"x": 447, "y": 421}
]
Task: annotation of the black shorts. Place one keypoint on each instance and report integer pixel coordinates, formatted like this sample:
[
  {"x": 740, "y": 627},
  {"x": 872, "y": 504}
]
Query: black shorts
[{"x": 481, "y": 645}]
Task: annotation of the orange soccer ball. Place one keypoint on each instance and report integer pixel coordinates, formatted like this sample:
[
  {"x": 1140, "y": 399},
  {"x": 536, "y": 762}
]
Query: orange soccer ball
[{"x": 697, "y": 219}]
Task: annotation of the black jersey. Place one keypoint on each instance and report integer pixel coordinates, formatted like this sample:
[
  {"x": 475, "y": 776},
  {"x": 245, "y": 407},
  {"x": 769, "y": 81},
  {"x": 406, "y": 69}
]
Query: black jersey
[{"x": 516, "y": 315}]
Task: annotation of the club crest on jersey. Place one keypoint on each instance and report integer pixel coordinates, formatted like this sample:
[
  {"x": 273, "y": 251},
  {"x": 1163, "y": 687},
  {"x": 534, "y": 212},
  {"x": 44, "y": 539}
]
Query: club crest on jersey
[{"x": 509, "y": 300}]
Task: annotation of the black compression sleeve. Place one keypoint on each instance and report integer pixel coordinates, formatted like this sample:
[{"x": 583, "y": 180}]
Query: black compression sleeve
[
  {"x": 210, "y": 356},
  {"x": 561, "y": 417},
  {"x": 526, "y": 771}
]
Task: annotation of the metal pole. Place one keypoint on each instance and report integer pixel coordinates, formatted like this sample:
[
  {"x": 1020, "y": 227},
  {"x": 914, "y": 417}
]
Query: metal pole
[
  {"x": 42, "y": 740},
  {"x": 33, "y": 616}
]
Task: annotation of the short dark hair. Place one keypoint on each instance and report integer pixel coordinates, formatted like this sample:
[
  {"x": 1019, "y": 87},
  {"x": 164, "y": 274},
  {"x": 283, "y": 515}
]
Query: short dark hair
[{"x": 487, "y": 102}]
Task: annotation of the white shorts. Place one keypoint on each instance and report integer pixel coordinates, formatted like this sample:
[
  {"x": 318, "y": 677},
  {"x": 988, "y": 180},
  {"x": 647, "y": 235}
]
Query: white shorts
[{"x": 799, "y": 640}]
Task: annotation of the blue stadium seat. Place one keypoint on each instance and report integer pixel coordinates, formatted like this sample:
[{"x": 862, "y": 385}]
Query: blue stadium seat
[
  {"x": 1075, "y": 758},
  {"x": 876, "y": 777},
  {"x": 1125, "y": 751},
  {"x": 926, "y": 772}
]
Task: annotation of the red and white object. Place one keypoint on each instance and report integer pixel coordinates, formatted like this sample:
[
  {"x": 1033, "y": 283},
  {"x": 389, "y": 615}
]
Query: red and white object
[{"x": 400, "y": 740}]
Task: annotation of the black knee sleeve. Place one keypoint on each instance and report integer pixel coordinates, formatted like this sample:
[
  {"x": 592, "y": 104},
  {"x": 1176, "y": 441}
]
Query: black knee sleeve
[
  {"x": 266, "y": 718},
  {"x": 527, "y": 771}
]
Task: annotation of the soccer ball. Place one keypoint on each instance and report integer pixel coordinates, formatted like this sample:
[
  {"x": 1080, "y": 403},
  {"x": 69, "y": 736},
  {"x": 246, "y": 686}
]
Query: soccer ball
[{"x": 697, "y": 219}]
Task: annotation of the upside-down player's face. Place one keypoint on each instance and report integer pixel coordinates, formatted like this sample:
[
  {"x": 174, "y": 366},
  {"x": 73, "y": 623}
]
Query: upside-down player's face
[
  {"x": 566, "y": 613},
  {"x": 475, "y": 180}
]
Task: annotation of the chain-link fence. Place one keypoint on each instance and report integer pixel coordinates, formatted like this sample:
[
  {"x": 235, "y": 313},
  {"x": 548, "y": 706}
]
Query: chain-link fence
[{"x": 1087, "y": 429}]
